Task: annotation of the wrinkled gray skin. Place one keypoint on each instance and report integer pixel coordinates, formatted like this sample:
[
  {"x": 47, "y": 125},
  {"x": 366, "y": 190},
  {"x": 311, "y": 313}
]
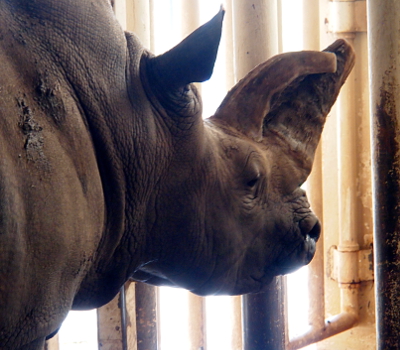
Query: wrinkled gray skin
[{"x": 107, "y": 170}]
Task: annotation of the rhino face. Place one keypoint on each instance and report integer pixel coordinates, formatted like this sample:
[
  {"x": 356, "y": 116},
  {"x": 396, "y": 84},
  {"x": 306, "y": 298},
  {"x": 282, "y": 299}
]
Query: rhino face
[
  {"x": 261, "y": 217},
  {"x": 234, "y": 215}
]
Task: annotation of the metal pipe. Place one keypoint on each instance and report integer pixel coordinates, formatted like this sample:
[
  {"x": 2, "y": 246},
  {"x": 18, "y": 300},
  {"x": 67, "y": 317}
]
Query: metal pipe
[
  {"x": 190, "y": 21},
  {"x": 255, "y": 33},
  {"x": 227, "y": 38},
  {"x": 122, "y": 306},
  {"x": 190, "y": 16},
  {"x": 334, "y": 325},
  {"x": 196, "y": 322},
  {"x": 146, "y": 316},
  {"x": 130, "y": 311},
  {"x": 236, "y": 335},
  {"x": 138, "y": 20},
  {"x": 230, "y": 80},
  {"x": 383, "y": 38},
  {"x": 347, "y": 132},
  {"x": 311, "y": 41},
  {"x": 264, "y": 318}
]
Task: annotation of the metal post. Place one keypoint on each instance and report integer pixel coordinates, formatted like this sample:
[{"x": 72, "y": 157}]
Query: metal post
[
  {"x": 124, "y": 334},
  {"x": 384, "y": 38},
  {"x": 146, "y": 316},
  {"x": 197, "y": 323},
  {"x": 311, "y": 41},
  {"x": 264, "y": 318},
  {"x": 255, "y": 33}
]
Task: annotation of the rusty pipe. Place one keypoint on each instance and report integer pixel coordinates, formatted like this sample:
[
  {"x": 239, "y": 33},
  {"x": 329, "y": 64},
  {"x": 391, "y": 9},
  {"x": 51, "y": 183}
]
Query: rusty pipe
[{"x": 383, "y": 39}]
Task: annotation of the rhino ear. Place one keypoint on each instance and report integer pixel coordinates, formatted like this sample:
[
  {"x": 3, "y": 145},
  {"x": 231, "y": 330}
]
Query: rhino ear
[
  {"x": 193, "y": 59},
  {"x": 249, "y": 101}
]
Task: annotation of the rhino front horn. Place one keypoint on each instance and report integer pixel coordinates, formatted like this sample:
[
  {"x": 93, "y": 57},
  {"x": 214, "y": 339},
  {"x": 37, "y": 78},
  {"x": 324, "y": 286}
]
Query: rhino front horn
[
  {"x": 246, "y": 105},
  {"x": 285, "y": 100}
]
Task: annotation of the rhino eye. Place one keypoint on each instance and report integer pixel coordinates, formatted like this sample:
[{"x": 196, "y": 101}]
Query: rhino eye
[{"x": 254, "y": 181}]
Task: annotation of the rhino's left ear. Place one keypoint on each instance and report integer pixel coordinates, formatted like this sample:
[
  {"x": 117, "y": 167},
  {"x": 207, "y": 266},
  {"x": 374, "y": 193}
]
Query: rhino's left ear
[{"x": 193, "y": 59}]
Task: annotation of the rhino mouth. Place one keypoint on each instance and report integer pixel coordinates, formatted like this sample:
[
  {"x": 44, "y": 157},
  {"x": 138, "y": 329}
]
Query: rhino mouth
[{"x": 302, "y": 252}]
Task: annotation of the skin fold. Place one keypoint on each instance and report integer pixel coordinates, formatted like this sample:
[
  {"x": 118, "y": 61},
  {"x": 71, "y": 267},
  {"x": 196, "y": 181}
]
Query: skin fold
[{"x": 109, "y": 172}]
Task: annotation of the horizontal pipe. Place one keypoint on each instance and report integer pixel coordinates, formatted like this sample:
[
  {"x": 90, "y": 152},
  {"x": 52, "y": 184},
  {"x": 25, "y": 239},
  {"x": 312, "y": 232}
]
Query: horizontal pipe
[{"x": 333, "y": 325}]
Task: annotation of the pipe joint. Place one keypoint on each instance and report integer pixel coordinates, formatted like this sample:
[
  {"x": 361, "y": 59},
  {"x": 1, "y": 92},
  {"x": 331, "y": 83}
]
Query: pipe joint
[
  {"x": 350, "y": 266},
  {"x": 347, "y": 17}
]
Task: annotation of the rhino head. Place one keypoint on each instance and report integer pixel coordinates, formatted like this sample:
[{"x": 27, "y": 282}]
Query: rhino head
[{"x": 229, "y": 213}]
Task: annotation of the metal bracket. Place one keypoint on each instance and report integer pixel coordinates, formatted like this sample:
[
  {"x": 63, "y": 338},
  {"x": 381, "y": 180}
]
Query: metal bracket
[{"x": 351, "y": 267}]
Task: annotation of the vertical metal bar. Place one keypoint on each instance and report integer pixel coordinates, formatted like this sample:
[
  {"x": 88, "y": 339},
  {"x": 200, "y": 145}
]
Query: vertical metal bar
[
  {"x": 138, "y": 20},
  {"x": 152, "y": 25},
  {"x": 130, "y": 315},
  {"x": 197, "y": 322},
  {"x": 311, "y": 41},
  {"x": 52, "y": 344},
  {"x": 264, "y": 318},
  {"x": 146, "y": 316},
  {"x": 122, "y": 305},
  {"x": 255, "y": 32},
  {"x": 190, "y": 16},
  {"x": 230, "y": 79},
  {"x": 236, "y": 337},
  {"x": 384, "y": 38},
  {"x": 227, "y": 34},
  {"x": 190, "y": 20},
  {"x": 109, "y": 325}
]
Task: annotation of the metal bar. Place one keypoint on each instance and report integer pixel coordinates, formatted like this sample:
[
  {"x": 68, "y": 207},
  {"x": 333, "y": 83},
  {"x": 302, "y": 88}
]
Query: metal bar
[
  {"x": 316, "y": 316},
  {"x": 109, "y": 325},
  {"x": 236, "y": 322},
  {"x": 332, "y": 326},
  {"x": 189, "y": 21},
  {"x": 255, "y": 33},
  {"x": 130, "y": 312},
  {"x": 52, "y": 344},
  {"x": 264, "y": 318},
  {"x": 227, "y": 38},
  {"x": 122, "y": 305},
  {"x": 197, "y": 322},
  {"x": 146, "y": 316},
  {"x": 383, "y": 38}
]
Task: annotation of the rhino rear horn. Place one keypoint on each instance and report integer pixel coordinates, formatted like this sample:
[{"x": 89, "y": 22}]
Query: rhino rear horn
[{"x": 192, "y": 60}]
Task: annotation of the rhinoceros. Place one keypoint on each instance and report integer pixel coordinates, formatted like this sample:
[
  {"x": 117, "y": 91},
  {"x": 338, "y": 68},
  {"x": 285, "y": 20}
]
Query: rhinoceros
[{"x": 108, "y": 171}]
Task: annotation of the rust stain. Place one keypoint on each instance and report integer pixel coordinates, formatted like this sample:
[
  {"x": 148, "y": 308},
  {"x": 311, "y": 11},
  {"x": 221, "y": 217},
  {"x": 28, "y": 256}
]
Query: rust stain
[{"x": 387, "y": 213}]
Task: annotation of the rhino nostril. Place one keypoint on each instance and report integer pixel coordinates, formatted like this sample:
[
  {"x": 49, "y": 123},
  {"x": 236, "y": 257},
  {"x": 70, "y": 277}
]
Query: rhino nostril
[
  {"x": 310, "y": 227},
  {"x": 315, "y": 231}
]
